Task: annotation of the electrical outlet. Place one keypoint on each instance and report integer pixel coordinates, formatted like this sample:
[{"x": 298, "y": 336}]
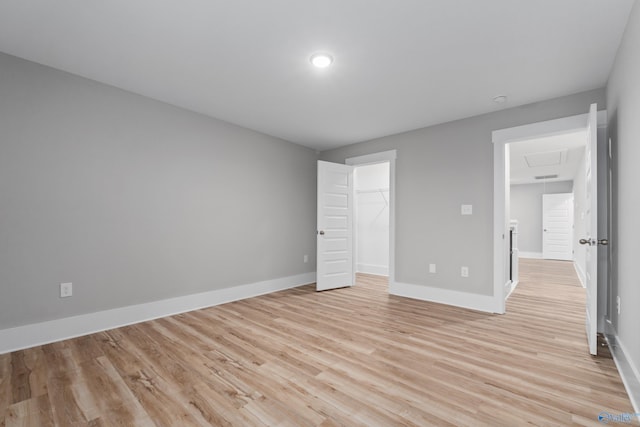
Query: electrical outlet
[
  {"x": 66, "y": 290},
  {"x": 432, "y": 268},
  {"x": 466, "y": 210},
  {"x": 464, "y": 271},
  {"x": 306, "y": 259},
  {"x": 618, "y": 304}
]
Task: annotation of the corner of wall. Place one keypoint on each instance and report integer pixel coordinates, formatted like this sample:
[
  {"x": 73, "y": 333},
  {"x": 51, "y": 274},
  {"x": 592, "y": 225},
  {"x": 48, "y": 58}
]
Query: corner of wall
[{"x": 628, "y": 370}]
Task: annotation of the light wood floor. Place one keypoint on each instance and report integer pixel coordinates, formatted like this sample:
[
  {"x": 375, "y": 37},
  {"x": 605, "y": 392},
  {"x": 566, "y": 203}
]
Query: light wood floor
[{"x": 346, "y": 357}]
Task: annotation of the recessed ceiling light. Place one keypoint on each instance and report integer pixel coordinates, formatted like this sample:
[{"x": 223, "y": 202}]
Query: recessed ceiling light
[
  {"x": 500, "y": 99},
  {"x": 321, "y": 60}
]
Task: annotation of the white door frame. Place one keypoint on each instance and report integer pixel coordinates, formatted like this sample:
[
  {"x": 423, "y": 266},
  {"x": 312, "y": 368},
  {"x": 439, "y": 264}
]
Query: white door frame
[
  {"x": 370, "y": 159},
  {"x": 501, "y": 192}
]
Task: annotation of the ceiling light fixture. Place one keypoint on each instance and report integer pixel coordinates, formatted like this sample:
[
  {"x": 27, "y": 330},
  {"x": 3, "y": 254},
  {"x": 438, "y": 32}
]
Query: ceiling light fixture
[
  {"x": 321, "y": 60},
  {"x": 500, "y": 99}
]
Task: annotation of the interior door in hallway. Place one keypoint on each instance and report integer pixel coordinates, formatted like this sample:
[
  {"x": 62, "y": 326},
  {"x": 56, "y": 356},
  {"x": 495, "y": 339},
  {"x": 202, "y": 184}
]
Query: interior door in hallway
[{"x": 557, "y": 226}]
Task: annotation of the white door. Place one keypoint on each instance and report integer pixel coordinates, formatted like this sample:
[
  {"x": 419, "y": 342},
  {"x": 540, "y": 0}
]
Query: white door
[
  {"x": 335, "y": 226},
  {"x": 557, "y": 226},
  {"x": 590, "y": 240}
]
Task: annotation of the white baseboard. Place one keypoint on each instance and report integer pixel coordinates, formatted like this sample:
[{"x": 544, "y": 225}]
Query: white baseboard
[
  {"x": 27, "y": 336},
  {"x": 378, "y": 270},
  {"x": 478, "y": 302},
  {"x": 627, "y": 369},
  {"x": 533, "y": 255},
  {"x": 510, "y": 287},
  {"x": 581, "y": 276}
]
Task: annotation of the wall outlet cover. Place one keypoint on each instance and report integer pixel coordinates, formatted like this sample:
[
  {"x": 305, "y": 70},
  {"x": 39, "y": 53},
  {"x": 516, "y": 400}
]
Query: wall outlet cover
[
  {"x": 432, "y": 268},
  {"x": 466, "y": 210},
  {"x": 66, "y": 290}
]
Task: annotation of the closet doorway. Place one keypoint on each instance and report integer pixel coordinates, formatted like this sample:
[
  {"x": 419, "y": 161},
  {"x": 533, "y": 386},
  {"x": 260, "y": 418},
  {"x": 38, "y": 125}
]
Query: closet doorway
[{"x": 372, "y": 218}]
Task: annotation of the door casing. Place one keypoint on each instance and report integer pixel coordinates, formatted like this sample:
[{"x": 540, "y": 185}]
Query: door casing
[
  {"x": 369, "y": 159},
  {"x": 501, "y": 192}
]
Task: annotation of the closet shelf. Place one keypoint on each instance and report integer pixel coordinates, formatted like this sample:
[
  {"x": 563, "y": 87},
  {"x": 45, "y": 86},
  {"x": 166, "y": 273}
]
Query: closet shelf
[
  {"x": 373, "y": 190},
  {"x": 376, "y": 190}
]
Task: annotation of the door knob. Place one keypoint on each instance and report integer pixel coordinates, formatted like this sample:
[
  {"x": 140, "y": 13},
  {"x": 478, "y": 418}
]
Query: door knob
[
  {"x": 321, "y": 232},
  {"x": 593, "y": 242}
]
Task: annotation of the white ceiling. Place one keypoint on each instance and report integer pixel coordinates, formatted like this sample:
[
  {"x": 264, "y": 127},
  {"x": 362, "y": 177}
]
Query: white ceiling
[
  {"x": 555, "y": 155},
  {"x": 399, "y": 65}
]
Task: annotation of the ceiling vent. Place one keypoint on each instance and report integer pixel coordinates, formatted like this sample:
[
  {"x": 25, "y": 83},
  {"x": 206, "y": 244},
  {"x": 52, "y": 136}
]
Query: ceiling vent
[
  {"x": 551, "y": 158},
  {"x": 546, "y": 176}
]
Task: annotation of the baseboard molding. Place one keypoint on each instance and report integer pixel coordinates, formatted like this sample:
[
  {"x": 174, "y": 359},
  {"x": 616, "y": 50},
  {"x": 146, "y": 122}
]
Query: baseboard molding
[
  {"x": 510, "y": 287},
  {"x": 486, "y": 303},
  {"x": 581, "y": 276},
  {"x": 627, "y": 369},
  {"x": 378, "y": 270},
  {"x": 32, "y": 335},
  {"x": 533, "y": 255}
]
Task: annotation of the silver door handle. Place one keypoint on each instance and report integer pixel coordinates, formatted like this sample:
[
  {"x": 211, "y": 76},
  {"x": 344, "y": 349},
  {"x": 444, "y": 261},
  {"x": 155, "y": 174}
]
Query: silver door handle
[
  {"x": 321, "y": 232},
  {"x": 593, "y": 242}
]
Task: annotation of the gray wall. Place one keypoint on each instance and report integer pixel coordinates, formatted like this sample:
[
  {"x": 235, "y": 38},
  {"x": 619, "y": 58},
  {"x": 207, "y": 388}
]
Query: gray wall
[
  {"x": 438, "y": 169},
  {"x": 526, "y": 207},
  {"x": 623, "y": 100},
  {"x": 134, "y": 200}
]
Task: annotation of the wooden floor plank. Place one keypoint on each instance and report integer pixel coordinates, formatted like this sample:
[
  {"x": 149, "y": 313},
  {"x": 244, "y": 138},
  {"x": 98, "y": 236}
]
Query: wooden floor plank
[
  {"x": 30, "y": 412},
  {"x": 6, "y": 390},
  {"x": 355, "y": 356}
]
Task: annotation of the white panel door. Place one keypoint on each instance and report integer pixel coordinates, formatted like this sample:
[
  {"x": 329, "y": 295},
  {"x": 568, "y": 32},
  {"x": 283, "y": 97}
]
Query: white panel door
[
  {"x": 335, "y": 267},
  {"x": 590, "y": 240},
  {"x": 557, "y": 226}
]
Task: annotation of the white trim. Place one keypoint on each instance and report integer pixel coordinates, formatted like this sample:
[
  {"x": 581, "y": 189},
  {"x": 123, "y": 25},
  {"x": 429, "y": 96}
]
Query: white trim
[
  {"x": 478, "y": 302},
  {"x": 546, "y": 128},
  {"x": 381, "y": 157},
  {"x": 27, "y": 336},
  {"x": 627, "y": 369},
  {"x": 501, "y": 213},
  {"x": 531, "y": 255},
  {"x": 509, "y": 288},
  {"x": 580, "y": 273},
  {"x": 501, "y": 219},
  {"x": 378, "y": 270}
]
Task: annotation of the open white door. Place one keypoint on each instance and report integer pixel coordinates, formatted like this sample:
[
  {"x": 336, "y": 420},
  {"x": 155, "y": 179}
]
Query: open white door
[
  {"x": 591, "y": 229},
  {"x": 335, "y": 226}
]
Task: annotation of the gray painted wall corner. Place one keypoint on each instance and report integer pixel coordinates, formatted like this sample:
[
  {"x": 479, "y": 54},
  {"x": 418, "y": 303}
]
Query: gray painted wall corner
[
  {"x": 623, "y": 102},
  {"x": 133, "y": 200},
  {"x": 441, "y": 167}
]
